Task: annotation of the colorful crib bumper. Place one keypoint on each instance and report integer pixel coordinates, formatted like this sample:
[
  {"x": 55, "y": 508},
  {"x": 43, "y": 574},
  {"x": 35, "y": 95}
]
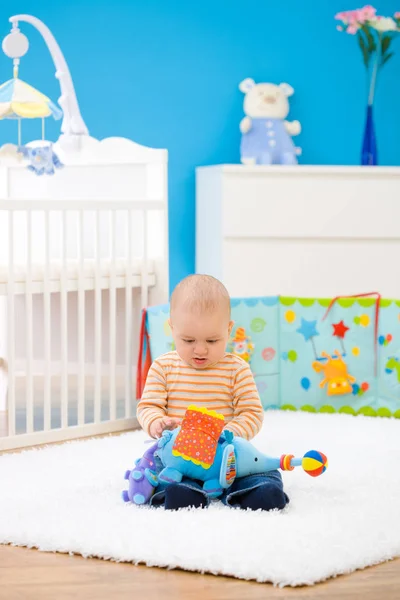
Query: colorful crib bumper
[{"x": 312, "y": 354}]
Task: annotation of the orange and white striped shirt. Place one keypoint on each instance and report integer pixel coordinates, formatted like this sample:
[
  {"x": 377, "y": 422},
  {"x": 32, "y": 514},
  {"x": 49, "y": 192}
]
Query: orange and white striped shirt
[{"x": 227, "y": 387}]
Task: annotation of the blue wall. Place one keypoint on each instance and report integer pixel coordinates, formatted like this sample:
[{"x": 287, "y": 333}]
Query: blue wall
[{"x": 165, "y": 73}]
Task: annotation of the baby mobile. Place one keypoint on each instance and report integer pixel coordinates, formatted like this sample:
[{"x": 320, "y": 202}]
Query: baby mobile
[{"x": 19, "y": 100}]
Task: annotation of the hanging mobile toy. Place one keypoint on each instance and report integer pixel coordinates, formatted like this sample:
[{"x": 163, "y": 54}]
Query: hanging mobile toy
[{"x": 19, "y": 100}]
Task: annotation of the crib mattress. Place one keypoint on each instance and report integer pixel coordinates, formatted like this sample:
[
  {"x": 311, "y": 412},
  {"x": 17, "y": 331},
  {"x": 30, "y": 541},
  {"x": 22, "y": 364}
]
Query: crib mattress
[{"x": 109, "y": 274}]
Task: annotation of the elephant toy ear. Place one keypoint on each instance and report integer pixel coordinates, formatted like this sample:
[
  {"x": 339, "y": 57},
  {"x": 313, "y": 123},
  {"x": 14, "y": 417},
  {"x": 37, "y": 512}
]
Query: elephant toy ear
[
  {"x": 228, "y": 467},
  {"x": 165, "y": 438},
  {"x": 226, "y": 436}
]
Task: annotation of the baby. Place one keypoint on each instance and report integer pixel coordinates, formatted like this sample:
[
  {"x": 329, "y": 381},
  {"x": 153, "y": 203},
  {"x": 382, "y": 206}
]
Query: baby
[{"x": 201, "y": 372}]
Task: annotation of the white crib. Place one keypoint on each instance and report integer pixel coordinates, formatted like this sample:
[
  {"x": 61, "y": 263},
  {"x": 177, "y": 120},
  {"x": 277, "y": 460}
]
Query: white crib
[{"x": 81, "y": 253}]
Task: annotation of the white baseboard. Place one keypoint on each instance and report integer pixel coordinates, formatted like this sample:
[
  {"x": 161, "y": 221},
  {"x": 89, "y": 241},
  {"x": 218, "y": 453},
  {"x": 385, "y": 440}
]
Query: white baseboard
[{"x": 68, "y": 433}]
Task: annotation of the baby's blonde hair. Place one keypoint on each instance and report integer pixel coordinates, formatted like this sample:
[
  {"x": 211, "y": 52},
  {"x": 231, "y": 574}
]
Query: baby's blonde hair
[{"x": 200, "y": 293}]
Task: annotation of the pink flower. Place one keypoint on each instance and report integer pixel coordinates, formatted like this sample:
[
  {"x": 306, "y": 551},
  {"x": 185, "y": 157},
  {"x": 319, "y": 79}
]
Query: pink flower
[
  {"x": 397, "y": 15},
  {"x": 344, "y": 16},
  {"x": 352, "y": 29},
  {"x": 352, "y": 17},
  {"x": 367, "y": 13},
  {"x": 359, "y": 15}
]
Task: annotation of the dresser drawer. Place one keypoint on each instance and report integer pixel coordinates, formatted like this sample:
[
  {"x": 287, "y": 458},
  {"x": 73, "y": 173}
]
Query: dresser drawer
[
  {"x": 309, "y": 267},
  {"x": 313, "y": 202}
]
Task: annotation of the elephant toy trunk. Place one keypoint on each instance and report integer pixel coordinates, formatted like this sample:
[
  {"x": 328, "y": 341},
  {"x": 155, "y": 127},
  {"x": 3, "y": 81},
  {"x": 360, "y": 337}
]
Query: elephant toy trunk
[{"x": 250, "y": 461}]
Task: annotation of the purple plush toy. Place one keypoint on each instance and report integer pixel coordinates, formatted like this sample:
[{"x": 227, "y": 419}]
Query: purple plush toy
[{"x": 142, "y": 479}]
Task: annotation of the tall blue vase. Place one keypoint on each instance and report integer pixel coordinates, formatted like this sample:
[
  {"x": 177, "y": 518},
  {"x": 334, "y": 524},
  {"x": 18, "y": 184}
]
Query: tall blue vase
[{"x": 369, "y": 154}]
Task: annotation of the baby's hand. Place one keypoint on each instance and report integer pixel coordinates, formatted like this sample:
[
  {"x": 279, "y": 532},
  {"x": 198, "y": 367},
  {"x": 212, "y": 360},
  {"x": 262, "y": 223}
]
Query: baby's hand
[{"x": 158, "y": 426}]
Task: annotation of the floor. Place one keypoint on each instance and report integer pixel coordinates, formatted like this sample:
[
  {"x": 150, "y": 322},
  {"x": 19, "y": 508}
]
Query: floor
[{"x": 27, "y": 574}]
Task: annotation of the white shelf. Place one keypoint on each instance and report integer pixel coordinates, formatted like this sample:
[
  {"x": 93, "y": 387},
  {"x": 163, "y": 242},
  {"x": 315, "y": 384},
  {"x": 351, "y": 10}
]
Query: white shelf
[{"x": 314, "y": 170}]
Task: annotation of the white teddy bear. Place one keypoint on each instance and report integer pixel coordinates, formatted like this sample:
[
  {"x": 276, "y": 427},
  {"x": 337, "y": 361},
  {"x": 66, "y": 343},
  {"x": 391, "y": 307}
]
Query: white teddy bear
[{"x": 266, "y": 136}]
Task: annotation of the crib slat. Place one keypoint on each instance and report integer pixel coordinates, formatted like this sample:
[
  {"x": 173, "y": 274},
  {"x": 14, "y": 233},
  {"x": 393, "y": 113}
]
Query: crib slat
[
  {"x": 113, "y": 311},
  {"x": 97, "y": 323},
  {"x": 11, "y": 327},
  {"x": 64, "y": 325},
  {"x": 128, "y": 316},
  {"x": 33, "y": 290},
  {"x": 145, "y": 268},
  {"x": 47, "y": 327},
  {"x": 81, "y": 323},
  {"x": 29, "y": 326}
]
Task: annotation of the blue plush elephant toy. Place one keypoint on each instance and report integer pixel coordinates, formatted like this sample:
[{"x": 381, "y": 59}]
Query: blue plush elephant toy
[
  {"x": 200, "y": 450},
  {"x": 234, "y": 457}
]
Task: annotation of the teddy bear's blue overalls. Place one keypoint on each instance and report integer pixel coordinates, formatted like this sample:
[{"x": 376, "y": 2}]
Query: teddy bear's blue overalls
[{"x": 268, "y": 143}]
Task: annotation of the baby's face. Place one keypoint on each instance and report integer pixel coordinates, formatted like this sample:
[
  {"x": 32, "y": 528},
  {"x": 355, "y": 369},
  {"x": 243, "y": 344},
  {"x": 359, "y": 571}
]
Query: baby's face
[{"x": 201, "y": 338}]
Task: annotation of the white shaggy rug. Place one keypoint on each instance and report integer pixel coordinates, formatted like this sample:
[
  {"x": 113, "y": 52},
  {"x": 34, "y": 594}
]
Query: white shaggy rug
[{"x": 68, "y": 498}]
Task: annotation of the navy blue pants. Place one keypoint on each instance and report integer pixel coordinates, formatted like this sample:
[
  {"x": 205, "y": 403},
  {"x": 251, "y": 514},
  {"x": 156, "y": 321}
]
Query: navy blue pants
[{"x": 262, "y": 491}]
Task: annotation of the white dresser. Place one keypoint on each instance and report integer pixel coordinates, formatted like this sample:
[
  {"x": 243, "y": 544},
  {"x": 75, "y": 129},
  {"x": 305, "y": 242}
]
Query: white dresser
[{"x": 302, "y": 230}]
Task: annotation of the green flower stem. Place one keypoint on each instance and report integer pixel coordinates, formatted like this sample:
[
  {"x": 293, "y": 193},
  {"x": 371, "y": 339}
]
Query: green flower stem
[{"x": 375, "y": 72}]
